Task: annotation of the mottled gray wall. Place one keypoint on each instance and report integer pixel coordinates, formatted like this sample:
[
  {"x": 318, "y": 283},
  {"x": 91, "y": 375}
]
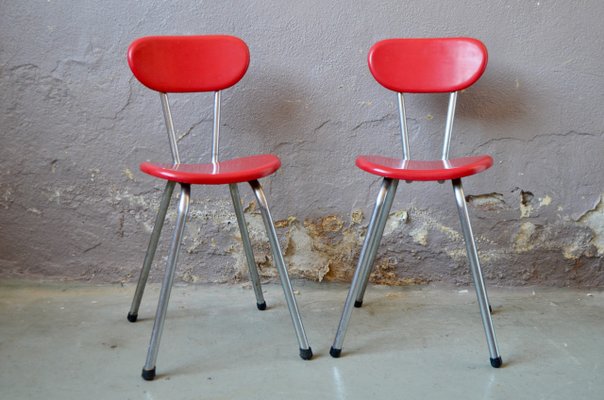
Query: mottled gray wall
[{"x": 74, "y": 125}]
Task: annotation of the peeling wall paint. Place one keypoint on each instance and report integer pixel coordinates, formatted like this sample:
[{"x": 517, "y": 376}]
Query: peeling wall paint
[
  {"x": 594, "y": 219},
  {"x": 75, "y": 124}
]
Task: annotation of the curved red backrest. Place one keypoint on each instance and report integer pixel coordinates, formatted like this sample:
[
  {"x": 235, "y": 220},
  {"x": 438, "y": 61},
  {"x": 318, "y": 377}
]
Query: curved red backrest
[
  {"x": 427, "y": 65},
  {"x": 188, "y": 63}
]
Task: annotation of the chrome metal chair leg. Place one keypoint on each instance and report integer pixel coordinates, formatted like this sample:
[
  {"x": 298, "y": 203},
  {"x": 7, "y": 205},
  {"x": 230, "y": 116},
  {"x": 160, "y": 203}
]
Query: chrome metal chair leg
[
  {"x": 361, "y": 275},
  {"x": 164, "y": 296},
  {"x": 481, "y": 292},
  {"x": 305, "y": 350},
  {"x": 157, "y": 227},
  {"x": 382, "y": 218},
  {"x": 247, "y": 247}
]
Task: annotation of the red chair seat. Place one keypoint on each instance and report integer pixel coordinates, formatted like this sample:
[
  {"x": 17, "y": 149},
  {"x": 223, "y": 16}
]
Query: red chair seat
[
  {"x": 416, "y": 170},
  {"x": 236, "y": 170}
]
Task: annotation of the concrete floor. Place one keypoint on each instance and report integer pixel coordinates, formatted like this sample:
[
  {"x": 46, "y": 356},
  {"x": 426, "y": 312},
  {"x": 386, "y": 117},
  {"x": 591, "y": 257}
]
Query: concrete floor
[{"x": 72, "y": 341}]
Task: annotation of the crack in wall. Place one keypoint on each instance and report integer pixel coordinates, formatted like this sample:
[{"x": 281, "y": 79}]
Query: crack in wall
[
  {"x": 372, "y": 122},
  {"x": 534, "y": 138},
  {"x": 487, "y": 201}
]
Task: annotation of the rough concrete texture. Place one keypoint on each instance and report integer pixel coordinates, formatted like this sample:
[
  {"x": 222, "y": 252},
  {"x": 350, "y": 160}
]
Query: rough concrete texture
[
  {"x": 419, "y": 342},
  {"x": 75, "y": 125}
]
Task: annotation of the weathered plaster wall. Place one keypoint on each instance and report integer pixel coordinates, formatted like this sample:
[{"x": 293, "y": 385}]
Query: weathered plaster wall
[{"x": 75, "y": 124}]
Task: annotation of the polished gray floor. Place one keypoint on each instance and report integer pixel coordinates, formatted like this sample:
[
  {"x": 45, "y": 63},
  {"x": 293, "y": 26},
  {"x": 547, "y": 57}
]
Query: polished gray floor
[{"x": 72, "y": 341}]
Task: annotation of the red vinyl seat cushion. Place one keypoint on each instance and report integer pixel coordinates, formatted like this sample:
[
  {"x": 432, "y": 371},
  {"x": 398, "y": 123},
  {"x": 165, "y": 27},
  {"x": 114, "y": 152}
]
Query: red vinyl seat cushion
[
  {"x": 236, "y": 170},
  {"x": 416, "y": 170}
]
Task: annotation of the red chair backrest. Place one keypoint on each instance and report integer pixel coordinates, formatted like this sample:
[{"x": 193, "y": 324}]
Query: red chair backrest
[
  {"x": 427, "y": 65},
  {"x": 188, "y": 63}
]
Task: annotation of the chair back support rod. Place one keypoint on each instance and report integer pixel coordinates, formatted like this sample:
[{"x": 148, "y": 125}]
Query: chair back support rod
[
  {"x": 216, "y": 131},
  {"x": 404, "y": 131},
  {"x": 449, "y": 125},
  {"x": 170, "y": 127}
]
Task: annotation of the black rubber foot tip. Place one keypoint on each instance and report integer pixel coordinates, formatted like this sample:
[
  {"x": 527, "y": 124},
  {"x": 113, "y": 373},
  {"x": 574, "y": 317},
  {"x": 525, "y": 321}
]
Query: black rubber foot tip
[
  {"x": 496, "y": 362},
  {"x": 306, "y": 354},
  {"x": 132, "y": 317},
  {"x": 261, "y": 306},
  {"x": 335, "y": 353},
  {"x": 148, "y": 374},
  {"x": 358, "y": 304}
]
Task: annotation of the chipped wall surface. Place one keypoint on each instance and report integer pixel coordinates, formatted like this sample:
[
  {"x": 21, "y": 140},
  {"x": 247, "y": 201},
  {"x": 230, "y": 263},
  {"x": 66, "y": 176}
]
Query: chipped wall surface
[{"x": 75, "y": 125}]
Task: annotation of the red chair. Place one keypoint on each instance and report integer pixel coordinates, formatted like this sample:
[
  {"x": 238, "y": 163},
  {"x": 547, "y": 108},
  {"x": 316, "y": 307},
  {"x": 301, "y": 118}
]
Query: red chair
[
  {"x": 422, "y": 66},
  {"x": 202, "y": 64}
]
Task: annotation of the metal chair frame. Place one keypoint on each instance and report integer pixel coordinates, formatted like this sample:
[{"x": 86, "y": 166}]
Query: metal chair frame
[
  {"x": 375, "y": 232},
  {"x": 183, "y": 207}
]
